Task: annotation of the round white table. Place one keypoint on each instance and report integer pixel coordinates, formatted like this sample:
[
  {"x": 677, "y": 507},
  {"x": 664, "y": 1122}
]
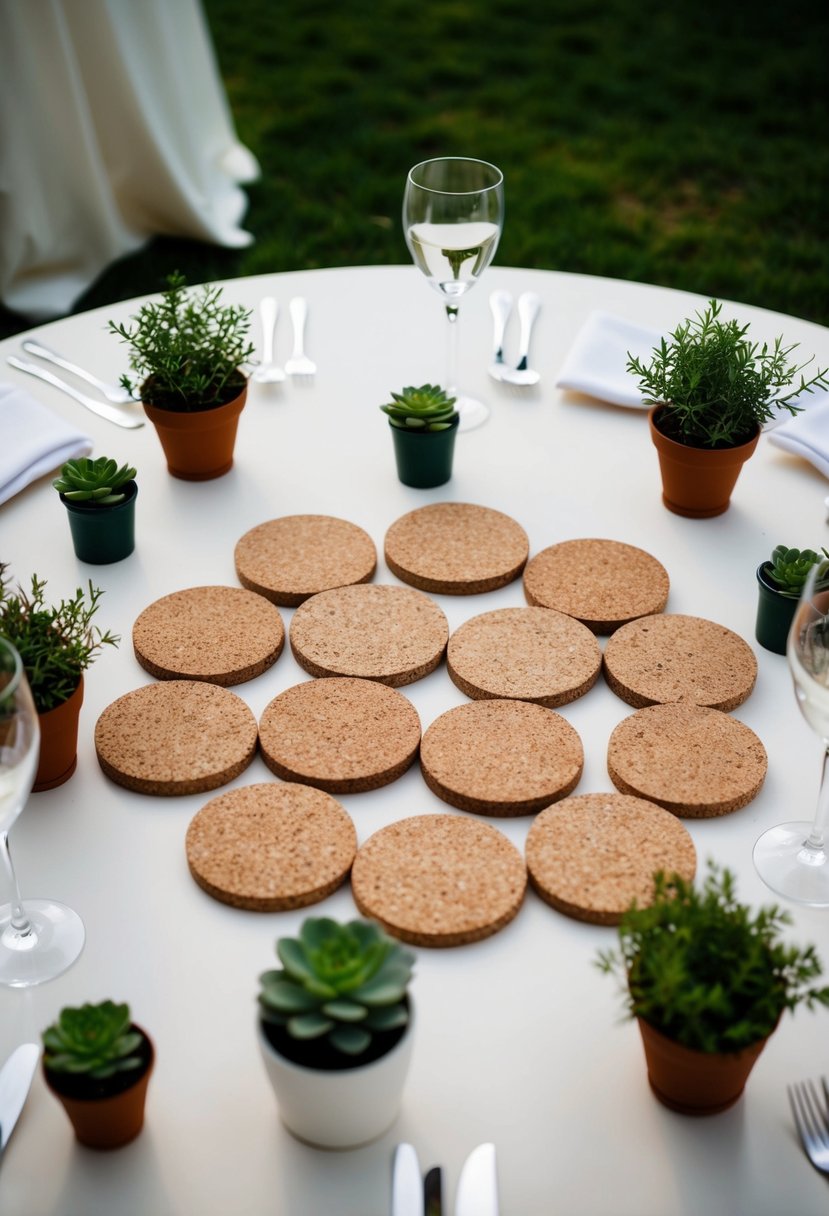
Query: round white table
[{"x": 520, "y": 1040}]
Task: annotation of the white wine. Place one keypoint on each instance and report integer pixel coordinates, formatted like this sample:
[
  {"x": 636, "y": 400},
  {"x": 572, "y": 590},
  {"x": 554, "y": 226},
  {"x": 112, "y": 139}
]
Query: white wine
[
  {"x": 452, "y": 256},
  {"x": 15, "y": 785},
  {"x": 812, "y": 697}
]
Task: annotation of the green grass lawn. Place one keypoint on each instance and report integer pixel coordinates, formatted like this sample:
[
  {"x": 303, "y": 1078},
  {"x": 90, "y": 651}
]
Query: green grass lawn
[{"x": 674, "y": 143}]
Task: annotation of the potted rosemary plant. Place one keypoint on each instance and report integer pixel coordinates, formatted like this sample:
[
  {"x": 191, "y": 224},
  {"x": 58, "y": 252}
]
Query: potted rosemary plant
[
  {"x": 100, "y": 502},
  {"x": 423, "y": 424},
  {"x": 779, "y": 584},
  {"x": 335, "y": 1031},
  {"x": 187, "y": 350},
  {"x": 97, "y": 1063},
  {"x": 711, "y": 391},
  {"x": 707, "y": 981}
]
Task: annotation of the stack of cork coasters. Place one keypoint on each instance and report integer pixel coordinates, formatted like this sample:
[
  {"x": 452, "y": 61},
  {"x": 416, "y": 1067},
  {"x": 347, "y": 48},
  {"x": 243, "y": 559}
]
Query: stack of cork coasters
[
  {"x": 456, "y": 548},
  {"x": 289, "y": 559}
]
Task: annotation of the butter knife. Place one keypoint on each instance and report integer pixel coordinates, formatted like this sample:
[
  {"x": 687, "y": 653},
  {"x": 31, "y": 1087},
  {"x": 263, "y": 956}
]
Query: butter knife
[
  {"x": 111, "y": 412},
  {"x": 15, "y": 1080}
]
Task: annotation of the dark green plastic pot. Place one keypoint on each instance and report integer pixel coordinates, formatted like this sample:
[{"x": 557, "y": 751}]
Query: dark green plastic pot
[
  {"x": 102, "y": 535},
  {"x": 774, "y": 613},
  {"x": 424, "y": 458}
]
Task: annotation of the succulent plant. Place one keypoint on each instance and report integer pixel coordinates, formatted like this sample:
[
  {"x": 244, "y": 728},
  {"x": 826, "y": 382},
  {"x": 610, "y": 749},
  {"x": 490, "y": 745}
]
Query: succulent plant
[
  {"x": 789, "y": 568},
  {"x": 92, "y": 1039},
  {"x": 97, "y": 482},
  {"x": 421, "y": 409},
  {"x": 339, "y": 982}
]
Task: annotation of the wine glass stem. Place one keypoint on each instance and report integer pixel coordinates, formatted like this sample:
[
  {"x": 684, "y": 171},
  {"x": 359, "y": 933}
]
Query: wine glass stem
[
  {"x": 452, "y": 351},
  {"x": 817, "y": 836},
  {"x": 19, "y": 921}
]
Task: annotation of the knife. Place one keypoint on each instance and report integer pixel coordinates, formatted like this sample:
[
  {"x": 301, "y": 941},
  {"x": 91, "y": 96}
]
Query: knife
[
  {"x": 478, "y": 1185},
  {"x": 112, "y": 413},
  {"x": 407, "y": 1184},
  {"x": 15, "y": 1079}
]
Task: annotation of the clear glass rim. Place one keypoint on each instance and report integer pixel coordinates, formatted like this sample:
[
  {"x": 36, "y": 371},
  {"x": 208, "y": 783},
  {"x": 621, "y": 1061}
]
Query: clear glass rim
[
  {"x": 469, "y": 160},
  {"x": 10, "y": 688}
]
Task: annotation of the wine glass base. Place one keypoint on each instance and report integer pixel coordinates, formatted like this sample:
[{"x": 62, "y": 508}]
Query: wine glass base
[
  {"x": 56, "y": 940},
  {"x": 472, "y": 413},
  {"x": 791, "y": 867}
]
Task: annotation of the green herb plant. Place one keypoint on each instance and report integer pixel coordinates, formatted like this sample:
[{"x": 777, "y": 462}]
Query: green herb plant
[
  {"x": 707, "y": 972},
  {"x": 789, "y": 568},
  {"x": 93, "y": 1039},
  {"x": 187, "y": 348},
  {"x": 421, "y": 409},
  {"x": 97, "y": 482},
  {"x": 715, "y": 386},
  {"x": 340, "y": 983},
  {"x": 56, "y": 643}
]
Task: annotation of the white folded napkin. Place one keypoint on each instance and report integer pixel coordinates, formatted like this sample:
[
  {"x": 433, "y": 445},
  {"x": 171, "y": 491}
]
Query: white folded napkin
[
  {"x": 807, "y": 434},
  {"x": 598, "y": 358},
  {"x": 33, "y": 441}
]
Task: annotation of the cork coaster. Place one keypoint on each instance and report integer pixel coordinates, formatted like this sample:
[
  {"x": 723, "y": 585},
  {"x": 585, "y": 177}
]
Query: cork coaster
[
  {"x": 179, "y": 737},
  {"x": 602, "y": 583},
  {"x": 664, "y": 659},
  {"x": 340, "y": 735},
  {"x": 270, "y": 848},
  {"x": 221, "y": 634},
  {"x": 529, "y": 654},
  {"x": 456, "y": 548},
  {"x": 501, "y": 757},
  {"x": 377, "y": 632},
  {"x": 592, "y": 855},
  {"x": 696, "y": 762},
  {"x": 289, "y": 559},
  {"x": 439, "y": 880}
]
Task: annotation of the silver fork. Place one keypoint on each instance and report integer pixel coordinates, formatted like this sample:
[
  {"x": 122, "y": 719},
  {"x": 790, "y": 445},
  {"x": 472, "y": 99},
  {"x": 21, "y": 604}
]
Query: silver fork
[
  {"x": 114, "y": 393},
  {"x": 267, "y": 371},
  {"x": 529, "y": 306},
  {"x": 811, "y": 1118},
  {"x": 299, "y": 364}
]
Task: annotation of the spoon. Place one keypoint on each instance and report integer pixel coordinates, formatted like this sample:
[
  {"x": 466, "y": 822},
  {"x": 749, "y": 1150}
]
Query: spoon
[
  {"x": 268, "y": 372},
  {"x": 529, "y": 306},
  {"x": 501, "y": 304}
]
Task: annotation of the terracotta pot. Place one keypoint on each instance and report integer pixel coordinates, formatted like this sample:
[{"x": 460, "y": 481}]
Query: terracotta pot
[
  {"x": 109, "y": 1122},
  {"x": 697, "y": 482},
  {"x": 198, "y": 444},
  {"x": 695, "y": 1082},
  {"x": 101, "y": 535},
  {"x": 424, "y": 458},
  {"x": 775, "y": 612},
  {"x": 59, "y": 742}
]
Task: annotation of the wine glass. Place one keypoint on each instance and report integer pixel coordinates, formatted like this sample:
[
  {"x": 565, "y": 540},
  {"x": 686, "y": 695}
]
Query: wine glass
[
  {"x": 793, "y": 858},
  {"x": 41, "y": 938},
  {"x": 453, "y": 213}
]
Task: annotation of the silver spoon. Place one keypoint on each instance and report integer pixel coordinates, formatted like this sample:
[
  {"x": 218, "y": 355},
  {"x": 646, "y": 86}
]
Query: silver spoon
[
  {"x": 501, "y": 304},
  {"x": 114, "y": 393},
  {"x": 529, "y": 306},
  {"x": 268, "y": 372}
]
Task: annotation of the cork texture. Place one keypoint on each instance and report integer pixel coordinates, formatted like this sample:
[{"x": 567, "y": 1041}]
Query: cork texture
[
  {"x": 501, "y": 758},
  {"x": 696, "y": 762},
  {"x": 289, "y": 559},
  {"x": 179, "y": 737},
  {"x": 221, "y": 634},
  {"x": 590, "y": 856},
  {"x": 528, "y": 654},
  {"x": 373, "y": 631},
  {"x": 456, "y": 548},
  {"x": 340, "y": 735},
  {"x": 603, "y": 583},
  {"x": 439, "y": 880},
  {"x": 271, "y": 848}
]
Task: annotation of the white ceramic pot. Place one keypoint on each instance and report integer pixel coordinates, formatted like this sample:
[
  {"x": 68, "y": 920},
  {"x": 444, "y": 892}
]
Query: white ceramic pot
[{"x": 340, "y": 1109}]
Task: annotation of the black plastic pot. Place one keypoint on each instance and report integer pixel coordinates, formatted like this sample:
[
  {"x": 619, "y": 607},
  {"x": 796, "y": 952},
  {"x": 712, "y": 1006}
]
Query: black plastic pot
[
  {"x": 774, "y": 613},
  {"x": 102, "y": 535},
  {"x": 424, "y": 458}
]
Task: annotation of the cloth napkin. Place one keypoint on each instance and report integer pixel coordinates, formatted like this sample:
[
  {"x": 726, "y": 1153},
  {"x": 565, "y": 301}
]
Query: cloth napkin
[
  {"x": 598, "y": 358},
  {"x": 33, "y": 441},
  {"x": 807, "y": 434}
]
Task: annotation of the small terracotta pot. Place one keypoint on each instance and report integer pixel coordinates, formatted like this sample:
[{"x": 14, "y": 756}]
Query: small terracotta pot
[
  {"x": 775, "y": 612},
  {"x": 198, "y": 444},
  {"x": 59, "y": 742},
  {"x": 101, "y": 535},
  {"x": 695, "y": 1082},
  {"x": 697, "y": 482},
  {"x": 107, "y": 1123}
]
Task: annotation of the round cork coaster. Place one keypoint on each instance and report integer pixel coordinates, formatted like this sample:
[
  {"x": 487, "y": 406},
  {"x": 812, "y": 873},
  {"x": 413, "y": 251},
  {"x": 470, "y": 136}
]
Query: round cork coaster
[
  {"x": 592, "y": 855},
  {"x": 528, "y": 654},
  {"x": 270, "y": 848},
  {"x": 374, "y": 631},
  {"x": 602, "y": 583},
  {"x": 179, "y": 737},
  {"x": 664, "y": 659},
  {"x": 289, "y": 559},
  {"x": 696, "y": 762},
  {"x": 456, "y": 548},
  {"x": 439, "y": 880},
  {"x": 221, "y": 634},
  {"x": 501, "y": 758},
  {"x": 341, "y": 735}
]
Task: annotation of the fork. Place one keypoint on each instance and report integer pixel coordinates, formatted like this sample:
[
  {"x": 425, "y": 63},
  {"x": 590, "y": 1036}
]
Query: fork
[
  {"x": 268, "y": 372},
  {"x": 529, "y": 306},
  {"x": 114, "y": 393},
  {"x": 811, "y": 1117},
  {"x": 299, "y": 364}
]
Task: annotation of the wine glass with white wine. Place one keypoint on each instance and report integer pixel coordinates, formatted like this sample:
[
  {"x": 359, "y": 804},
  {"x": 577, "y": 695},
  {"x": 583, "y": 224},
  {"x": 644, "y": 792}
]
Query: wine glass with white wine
[
  {"x": 41, "y": 938},
  {"x": 453, "y": 213},
  {"x": 793, "y": 858}
]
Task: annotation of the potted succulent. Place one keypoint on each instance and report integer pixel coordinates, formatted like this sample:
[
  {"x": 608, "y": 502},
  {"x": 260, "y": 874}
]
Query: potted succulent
[
  {"x": 187, "y": 350},
  {"x": 423, "y": 424},
  {"x": 779, "y": 584},
  {"x": 56, "y": 644},
  {"x": 97, "y": 1063},
  {"x": 707, "y": 981},
  {"x": 100, "y": 501},
  {"x": 711, "y": 390},
  {"x": 335, "y": 1031}
]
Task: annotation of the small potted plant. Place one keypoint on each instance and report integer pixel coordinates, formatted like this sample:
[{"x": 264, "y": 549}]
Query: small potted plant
[
  {"x": 335, "y": 1031},
  {"x": 100, "y": 501},
  {"x": 187, "y": 350},
  {"x": 779, "y": 584},
  {"x": 423, "y": 424},
  {"x": 711, "y": 390},
  {"x": 97, "y": 1063},
  {"x": 56, "y": 644},
  {"x": 707, "y": 981}
]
